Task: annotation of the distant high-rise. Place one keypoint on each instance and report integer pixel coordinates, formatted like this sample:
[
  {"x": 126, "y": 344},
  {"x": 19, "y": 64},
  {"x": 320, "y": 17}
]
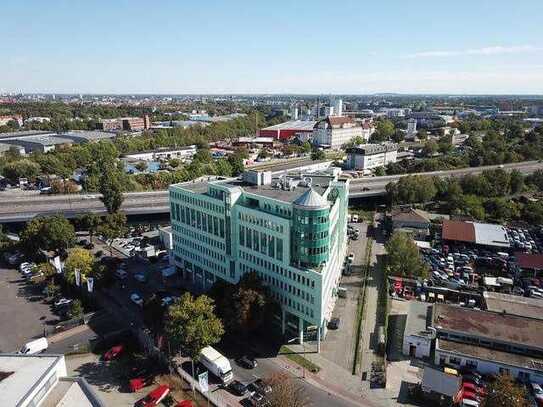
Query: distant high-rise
[
  {"x": 294, "y": 112},
  {"x": 337, "y": 105},
  {"x": 411, "y": 126}
]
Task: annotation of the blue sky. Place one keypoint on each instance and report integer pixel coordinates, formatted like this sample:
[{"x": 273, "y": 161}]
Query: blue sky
[{"x": 418, "y": 46}]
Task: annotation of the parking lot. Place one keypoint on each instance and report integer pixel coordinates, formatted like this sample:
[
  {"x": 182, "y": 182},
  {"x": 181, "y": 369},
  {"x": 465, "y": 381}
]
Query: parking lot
[
  {"x": 23, "y": 314},
  {"x": 340, "y": 344}
]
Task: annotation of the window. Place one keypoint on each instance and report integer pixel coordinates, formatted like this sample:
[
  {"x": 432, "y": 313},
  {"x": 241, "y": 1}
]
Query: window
[
  {"x": 454, "y": 361},
  {"x": 242, "y": 235},
  {"x": 504, "y": 370},
  {"x": 279, "y": 249},
  {"x": 471, "y": 363}
]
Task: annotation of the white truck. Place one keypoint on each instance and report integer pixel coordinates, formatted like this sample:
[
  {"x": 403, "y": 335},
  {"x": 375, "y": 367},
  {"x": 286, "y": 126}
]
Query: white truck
[
  {"x": 37, "y": 346},
  {"x": 216, "y": 364}
]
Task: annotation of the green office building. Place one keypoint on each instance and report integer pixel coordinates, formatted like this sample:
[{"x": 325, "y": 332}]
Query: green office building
[{"x": 291, "y": 230}]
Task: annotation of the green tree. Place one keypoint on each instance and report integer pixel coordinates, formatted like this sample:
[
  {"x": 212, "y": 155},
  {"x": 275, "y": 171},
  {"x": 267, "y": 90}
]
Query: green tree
[
  {"x": 111, "y": 188},
  {"x": 76, "y": 310},
  {"x": 78, "y": 259},
  {"x": 430, "y": 148},
  {"x": 318, "y": 155},
  {"x": 403, "y": 257},
  {"x": 47, "y": 233},
  {"x": 24, "y": 168},
  {"x": 191, "y": 325},
  {"x": 516, "y": 181},
  {"x": 384, "y": 130},
  {"x": 236, "y": 161},
  {"x": 52, "y": 289},
  {"x": 306, "y": 147},
  {"x": 422, "y": 134},
  {"x": 505, "y": 392},
  {"x": 89, "y": 222},
  {"x": 412, "y": 189},
  {"x": 141, "y": 166},
  {"x": 379, "y": 171},
  {"x": 112, "y": 227}
]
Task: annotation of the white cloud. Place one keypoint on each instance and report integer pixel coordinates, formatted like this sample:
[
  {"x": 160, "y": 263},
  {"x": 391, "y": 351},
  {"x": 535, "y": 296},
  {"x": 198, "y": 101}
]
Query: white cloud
[{"x": 495, "y": 50}]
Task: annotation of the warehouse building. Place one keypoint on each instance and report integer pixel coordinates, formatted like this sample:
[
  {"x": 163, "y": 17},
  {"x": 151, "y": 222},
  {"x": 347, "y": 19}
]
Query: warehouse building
[
  {"x": 480, "y": 234},
  {"x": 290, "y": 231},
  {"x": 370, "y": 156},
  {"x": 489, "y": 342},
  {"x": 289, "y": 130}
]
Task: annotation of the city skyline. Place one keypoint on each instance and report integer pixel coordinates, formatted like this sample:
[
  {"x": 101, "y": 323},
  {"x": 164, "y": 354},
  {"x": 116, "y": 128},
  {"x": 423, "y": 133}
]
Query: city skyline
[{"x": 280, "y": 48}]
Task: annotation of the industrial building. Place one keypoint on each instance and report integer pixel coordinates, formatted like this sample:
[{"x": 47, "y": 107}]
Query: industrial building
[
  {"x": 288, "y": 130},
  {"x": 40, "y": 380},
  {"x": 289, "y": 230},
  {"x": 336, "y": 131},
  {"x": 489, "y": 342},
  {"x": 480, "y": 234},
  {"x": 182, "y": 153},
  {"x": 370, "y": 156}
]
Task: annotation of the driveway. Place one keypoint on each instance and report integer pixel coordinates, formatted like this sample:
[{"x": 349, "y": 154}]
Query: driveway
[{"x": 23, "y": 314}]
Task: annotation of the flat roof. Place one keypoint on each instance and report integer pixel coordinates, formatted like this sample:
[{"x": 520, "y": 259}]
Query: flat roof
[
  {"x": 88, "y": 135},
  {"x": 416, "y": 318},
  {"x": 370, "y": 149},
  {"x": 493, "y": 355},
  {"x": 319, "y": 184},
  {"x": 302, "y": 125},
  {"x": 27, "y": 371},
  {"x": 485, "y": 234},
  {"x": 505, "y": 328},
  {"x": 513, "y": 304}
]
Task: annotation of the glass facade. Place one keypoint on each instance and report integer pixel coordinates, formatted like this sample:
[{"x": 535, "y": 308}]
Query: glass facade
[{"x": 311, "y": 240}]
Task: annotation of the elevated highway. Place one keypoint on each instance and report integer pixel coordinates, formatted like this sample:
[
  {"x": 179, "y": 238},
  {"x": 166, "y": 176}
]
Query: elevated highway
[{"x": 19, "y": 208}]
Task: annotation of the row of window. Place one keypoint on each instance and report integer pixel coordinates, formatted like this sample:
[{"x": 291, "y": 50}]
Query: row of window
[
  {"x": 270, "y": 246},
  {"x": 311, "y": 220},
  {"x": 311, "y": 251},
  {"x": 199, "y": 237},
  {"x": 197, "y": 219},
  {"x": 283, "y": 299},
  {"x": 190, "y": 254},
  {"x": 295, "y": 277},
  {"x": 265, "y": 223},
  {"x": 191, "y": 244},
  {"x": 311, "y": 235},
  {"x": 200, "y": 203},
  {"x": 280, "y": 210}
]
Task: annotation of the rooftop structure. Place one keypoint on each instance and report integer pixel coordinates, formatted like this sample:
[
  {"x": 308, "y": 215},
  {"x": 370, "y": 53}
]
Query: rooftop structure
[
  {"x": 289, "y": 230},
  {"x": 484, "y": 234},
  {"x": 513, "y": 304}
]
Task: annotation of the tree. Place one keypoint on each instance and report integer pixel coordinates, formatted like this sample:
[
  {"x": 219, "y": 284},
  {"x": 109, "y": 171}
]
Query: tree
[
  {"x": 89, "y": 222},
  {"x": 46, "y": 269},
  {"x": 306, "y": 147},
  {"x": 112, "y": 227},
  {"x": 505, "y": 392},
  {"x": 403, "y": 257},
  {"x": 516, "y": 181},
  {"x": 384, "y": 130},
  {"x": 24, "y": 168},
  {"x": 430, "y": 148},
  {"x": 532, "y": 213},
  {"x": 422, "y": 134},
  {"x": 245, "y": 306},
  {"x": 52, "y": 289},
  {"x": 286, "y": 392},
  {"x": 141, "y": 166},
  {"x": 111, "y": 189},
  {"x": 318, "y": 155},
  {"x": 412, "y": 189},
  {"x": 236, "y": 161},
  {"x": 76, "y": 310},
  {"x": 379, "y": 171},
  {"x": 191, "y": 325},
  {"x": 78, "y": 259},
  {"x": 47, "y": 233}
]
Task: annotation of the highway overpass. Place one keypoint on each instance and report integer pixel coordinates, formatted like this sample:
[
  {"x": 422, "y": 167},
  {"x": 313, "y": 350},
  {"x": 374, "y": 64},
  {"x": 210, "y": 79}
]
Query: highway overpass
[{"x": 19, "y": 208}]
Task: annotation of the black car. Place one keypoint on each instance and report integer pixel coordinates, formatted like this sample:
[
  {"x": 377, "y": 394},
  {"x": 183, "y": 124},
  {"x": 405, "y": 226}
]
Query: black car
[
  {"x": 238, "y": 388},
  {"x": 247, "y": 362},
  {"x": 334, "y": 323},
  {"x": 259, "y": 386}
]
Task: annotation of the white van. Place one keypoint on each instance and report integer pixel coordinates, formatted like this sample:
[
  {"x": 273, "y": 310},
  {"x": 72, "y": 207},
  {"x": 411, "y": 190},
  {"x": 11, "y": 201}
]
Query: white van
[{"x": 37, "y": 346}]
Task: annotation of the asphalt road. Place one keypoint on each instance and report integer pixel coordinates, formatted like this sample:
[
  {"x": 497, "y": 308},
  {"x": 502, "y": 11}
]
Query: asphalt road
[{"x": 16, "y": 208}]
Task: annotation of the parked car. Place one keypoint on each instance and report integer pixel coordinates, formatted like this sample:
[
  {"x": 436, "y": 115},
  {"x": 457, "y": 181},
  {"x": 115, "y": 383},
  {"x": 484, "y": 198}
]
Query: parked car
[
  {"x": 141, "y": 277},
  {"x": 334, "y": 323},
  {"x": 260, "y": 386},
  {"x": 114, "y": 352},
  {"x": 247, "y": 362},
  {"x": 238, "y": 388},
  {"x": 136, "y": 299},
  {"x": 165, "y": 301},
  {"x": 154, "y": 398},
  {"x": 537, "y": 391},
  {"x": 62, "y": 302}
]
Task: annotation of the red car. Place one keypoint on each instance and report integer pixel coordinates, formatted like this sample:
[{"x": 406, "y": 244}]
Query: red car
[
  {"x": 184, "y": 403},
  {"x": 114, "y": 352},
  {"x": 469, "y": 386},
  {"x": 138, "y": 383},
  {"x": 153, "y": 398}
]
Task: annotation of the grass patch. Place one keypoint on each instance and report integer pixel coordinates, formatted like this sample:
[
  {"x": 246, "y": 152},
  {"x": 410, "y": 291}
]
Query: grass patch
[
  {"x": 299, "y": 359},
  {"x": 361, "y": 301}
]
